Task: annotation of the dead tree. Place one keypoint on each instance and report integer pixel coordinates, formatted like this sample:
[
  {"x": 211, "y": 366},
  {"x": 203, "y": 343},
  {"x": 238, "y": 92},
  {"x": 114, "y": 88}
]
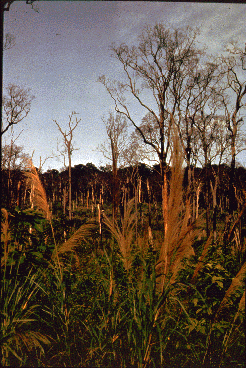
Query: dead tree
[
  {"x": 153, "y": 69},
  {"x": 68, "y": 150},
  {"x": 16, "y": 106}
]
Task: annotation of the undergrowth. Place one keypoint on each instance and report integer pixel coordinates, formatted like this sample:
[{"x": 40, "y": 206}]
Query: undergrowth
[{"x": 116, "y": 299}]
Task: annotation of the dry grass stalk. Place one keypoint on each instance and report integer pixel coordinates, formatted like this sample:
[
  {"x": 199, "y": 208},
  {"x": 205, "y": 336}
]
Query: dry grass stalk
[
  {"x": 69, "y": 246},
  {"x": 124, "y": 234},
  {"x": 39, "y": 195},
  {"x": 40, "y": 201},
  {"x": 180, "y": 234},
  {"x": 5, "y": 236},
  {"x": 237, "y": 282}
]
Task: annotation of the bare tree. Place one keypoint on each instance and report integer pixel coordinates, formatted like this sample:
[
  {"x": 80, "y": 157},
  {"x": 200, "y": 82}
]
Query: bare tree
[
  {"x": 142, "y": 152},
  {"x": 16, "y": 105},
  {"x": 197, "y": 94},
  {"x": 13, "y": 161},
  {"x": 155, "y": 67},
  {"x": 13, "y": 157},
  {"x": 201, "y": 129},
  {"x": 68, "y": 149},
  {"x": 116, "y": 128},
  {"x": 234, "y": 102},
  {"x": 6, "y": 43}
]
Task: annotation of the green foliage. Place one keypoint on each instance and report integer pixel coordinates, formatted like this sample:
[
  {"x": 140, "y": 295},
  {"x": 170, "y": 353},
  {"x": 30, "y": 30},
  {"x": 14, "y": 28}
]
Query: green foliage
[
  {"x": 97, "y": 312},
  {"x": 31, "y": 243},
  {"x": 19, "y": 310}
]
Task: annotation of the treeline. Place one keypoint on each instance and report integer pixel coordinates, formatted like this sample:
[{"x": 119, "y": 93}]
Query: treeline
[{"x": 92, "y": 186}]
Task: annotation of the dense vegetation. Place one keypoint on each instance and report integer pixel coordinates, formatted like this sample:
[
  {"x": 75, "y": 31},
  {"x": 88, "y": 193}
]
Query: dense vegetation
[
  {"x": 135, "y": 266},
  {"x": 94, "y": 292}
]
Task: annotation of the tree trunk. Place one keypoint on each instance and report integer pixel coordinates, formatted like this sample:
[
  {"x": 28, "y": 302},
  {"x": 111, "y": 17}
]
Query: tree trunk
[
  {"x": 64, "y": 200},
  {"x": 18, "y": 194},
  {"x": 198, "y": 189},
  {"x": 69, "y": 185},
  {"x": 164, "y": 198},
  {"x": 232, "y": 198},
  {"x": 115, "y": 193},
  {"x": 215, "y": 206}
]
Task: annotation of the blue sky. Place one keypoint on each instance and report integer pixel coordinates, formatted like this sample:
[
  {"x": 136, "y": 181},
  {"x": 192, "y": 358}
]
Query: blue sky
[{"x": 62, "y": 49}]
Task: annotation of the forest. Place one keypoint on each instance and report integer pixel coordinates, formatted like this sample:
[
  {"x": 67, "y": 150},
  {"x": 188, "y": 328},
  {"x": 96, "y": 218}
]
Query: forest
[{"x": 133, "y": 264}]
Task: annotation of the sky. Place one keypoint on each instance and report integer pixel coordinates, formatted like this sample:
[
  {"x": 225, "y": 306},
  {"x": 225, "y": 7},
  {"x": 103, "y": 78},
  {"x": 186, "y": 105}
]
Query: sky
[{"x": 62, "y": 48}]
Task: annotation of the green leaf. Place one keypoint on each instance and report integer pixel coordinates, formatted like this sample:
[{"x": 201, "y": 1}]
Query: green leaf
[{"x": 37, "y": 254}]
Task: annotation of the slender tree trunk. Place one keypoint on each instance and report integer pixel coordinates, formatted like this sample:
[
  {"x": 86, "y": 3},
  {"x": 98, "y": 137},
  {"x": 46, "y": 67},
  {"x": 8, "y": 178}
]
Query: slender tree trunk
[
  {"x": 206, "y": 187},
  {"x": 24, "y": 197},
  {"x": 165, "y": 199},
  {"x": 215, "y": 207},
  {"x": 18, "y": 194},
  {"x": 69, "y": 187},
  {"x": 69, "y": 149},
  {"x": 207, "y": 203},
  {"x": 150, "y": 236},
  {"x": 115, "y": 193},
  {"x": 232, "y": 198},
  {"x": 87, "y": 199},
  {"x": 197, "y": 199},
  {"x": 64, "y": 200}
]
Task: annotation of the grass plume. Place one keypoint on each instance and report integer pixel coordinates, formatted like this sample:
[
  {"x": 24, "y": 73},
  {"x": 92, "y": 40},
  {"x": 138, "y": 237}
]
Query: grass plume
[
  {"x": 238, "y": 282},
  {"x": 74, "y": 241},
  {"x": 39, "y": 200},
  {"x": 180, "y": 233},
  {"x": 38, "y": 194},
  {"x": 124, "y": 233}
]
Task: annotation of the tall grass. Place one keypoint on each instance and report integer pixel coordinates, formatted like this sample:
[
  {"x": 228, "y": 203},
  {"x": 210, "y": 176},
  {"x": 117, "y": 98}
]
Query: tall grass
[
  {"x": 180, "y": 233},
  {"x": 19, "y": 308},
  {"x": 158, "y": 303},
  {"x": 129, "y": 304},
  {"x": 124, "y": 233},
  {"x": 223, "y": 312}
]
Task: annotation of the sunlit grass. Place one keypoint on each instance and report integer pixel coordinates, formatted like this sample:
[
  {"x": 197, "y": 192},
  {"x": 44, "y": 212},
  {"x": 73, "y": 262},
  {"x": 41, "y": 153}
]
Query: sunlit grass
[{"x": 117, "y": 299}]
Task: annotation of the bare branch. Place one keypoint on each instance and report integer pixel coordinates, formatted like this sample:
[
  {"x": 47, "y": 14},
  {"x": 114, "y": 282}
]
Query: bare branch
[{"x": 16, "y": 105}]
